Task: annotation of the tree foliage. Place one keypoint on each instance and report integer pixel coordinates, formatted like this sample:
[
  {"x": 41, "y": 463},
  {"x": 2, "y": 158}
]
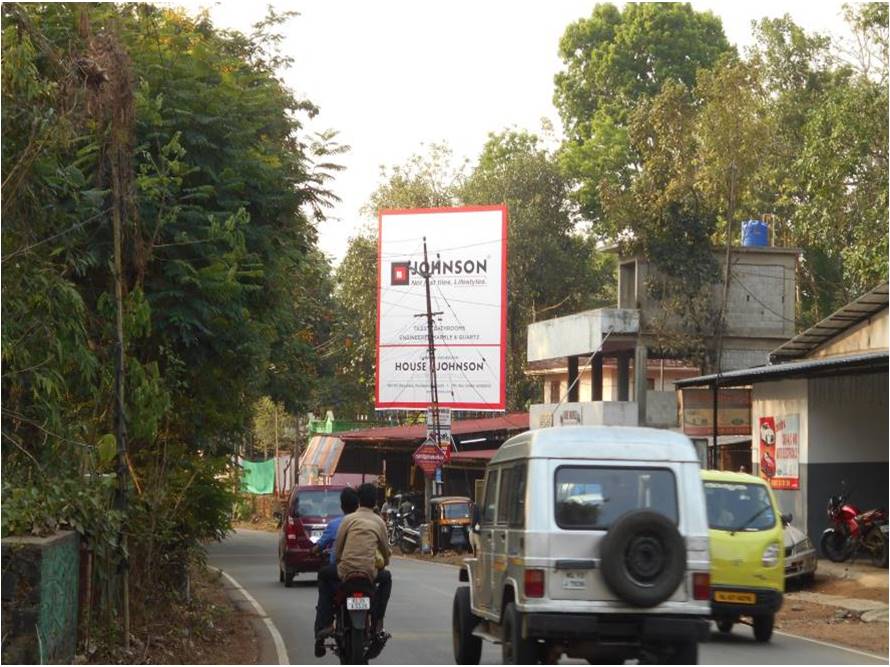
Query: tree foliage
[{"x": 226, "y": 296}]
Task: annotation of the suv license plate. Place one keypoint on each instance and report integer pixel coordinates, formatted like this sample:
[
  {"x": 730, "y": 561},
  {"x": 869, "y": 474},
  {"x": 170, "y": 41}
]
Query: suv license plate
[
  {"x": 574, "y": 579},
  {"x": 355, "y": 604},
  {"x": 737, "y": 598}
]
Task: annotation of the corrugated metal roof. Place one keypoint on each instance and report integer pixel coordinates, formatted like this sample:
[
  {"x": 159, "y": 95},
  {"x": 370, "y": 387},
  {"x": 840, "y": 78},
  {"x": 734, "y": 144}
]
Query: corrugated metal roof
[
  {"x": 866, "y": 362},
  {"x": 853, "y": 313}
]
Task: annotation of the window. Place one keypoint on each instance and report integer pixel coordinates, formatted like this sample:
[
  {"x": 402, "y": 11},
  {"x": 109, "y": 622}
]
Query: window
[
  {"x": 592, "y": 498},
  {"x": 554, "y": 391},
  {"x": 517, "y": 500},
  {"x": 317, "y": 503},
  {"x": 738, "y": 506},
  {"x": 490, "y": 504},
  {"x": 455, "y": 511},
  {"x": 504, "y": 495}
]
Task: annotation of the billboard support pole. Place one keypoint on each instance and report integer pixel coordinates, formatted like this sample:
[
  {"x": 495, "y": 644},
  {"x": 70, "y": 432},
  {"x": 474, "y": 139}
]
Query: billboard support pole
[{"x": 431, "y": 348}]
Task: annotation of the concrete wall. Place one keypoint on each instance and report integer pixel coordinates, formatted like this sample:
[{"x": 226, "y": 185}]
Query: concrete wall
[
  {"x": 40, "y": 584},
  {"x": 588, "y": 413},
  {"x": 868, "y": 336},
  {"x": 578, "y": 334},
  {"x": 848, "y": 440},
  {"x": 661, "y": 409}
]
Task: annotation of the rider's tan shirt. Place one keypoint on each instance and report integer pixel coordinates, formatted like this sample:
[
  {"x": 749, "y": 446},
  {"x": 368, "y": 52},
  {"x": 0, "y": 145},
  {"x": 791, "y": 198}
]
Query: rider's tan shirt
[{"x": 360, "y": 535}]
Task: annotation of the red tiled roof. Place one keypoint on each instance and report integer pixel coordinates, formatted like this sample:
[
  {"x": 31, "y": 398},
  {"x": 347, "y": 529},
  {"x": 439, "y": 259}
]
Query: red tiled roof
[{"x": 515, "y": 421}]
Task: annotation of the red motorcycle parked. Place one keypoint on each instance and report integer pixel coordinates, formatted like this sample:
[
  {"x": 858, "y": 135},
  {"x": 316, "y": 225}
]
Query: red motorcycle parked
[{"x": 853, "y": 531}]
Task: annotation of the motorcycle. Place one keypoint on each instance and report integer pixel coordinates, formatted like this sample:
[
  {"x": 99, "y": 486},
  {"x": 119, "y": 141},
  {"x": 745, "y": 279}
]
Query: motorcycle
[
  {"x": 405, "y": 533},
  {"x": 853, "y": 531}
]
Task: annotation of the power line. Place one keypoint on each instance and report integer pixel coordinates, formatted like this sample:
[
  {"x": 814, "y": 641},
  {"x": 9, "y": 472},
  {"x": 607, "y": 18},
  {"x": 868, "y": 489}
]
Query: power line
[{"x": 30, "y": 247}]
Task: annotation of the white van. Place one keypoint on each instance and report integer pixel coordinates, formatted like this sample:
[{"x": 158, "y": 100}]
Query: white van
[{"x": 593, "y": 544}]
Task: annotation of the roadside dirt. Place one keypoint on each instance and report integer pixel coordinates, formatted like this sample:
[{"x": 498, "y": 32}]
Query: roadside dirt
[
  {"x": 267, "y": 525},
  {"x": 448, "y": 557},
  {"x": 832, "y": 624},
  {"x": 206, "y": 630}
]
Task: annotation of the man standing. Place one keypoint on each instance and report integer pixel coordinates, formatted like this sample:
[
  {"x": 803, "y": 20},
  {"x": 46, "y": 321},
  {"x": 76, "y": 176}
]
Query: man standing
[{"x": 362, "y": 534}]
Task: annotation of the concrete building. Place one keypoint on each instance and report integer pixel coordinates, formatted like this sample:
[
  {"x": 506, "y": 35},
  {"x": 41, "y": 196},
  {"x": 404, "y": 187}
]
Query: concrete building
[
  {"x": 819, "y": 414},
  {"x": 590, "y": 357}
]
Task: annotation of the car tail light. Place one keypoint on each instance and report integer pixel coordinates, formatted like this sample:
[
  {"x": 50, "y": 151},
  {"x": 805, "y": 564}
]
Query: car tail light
[
  {"x": 291, "y": 529},
  {"x": 534, "y": 583},
  {"x": 296, "y": 533},
  {"x": 701, "y": 586}
]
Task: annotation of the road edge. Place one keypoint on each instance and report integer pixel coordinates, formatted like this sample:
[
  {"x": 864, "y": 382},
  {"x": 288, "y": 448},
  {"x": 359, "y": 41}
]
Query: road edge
[
  {"x": 873, "y": 656},
  {"x": 277, "y": 640}
]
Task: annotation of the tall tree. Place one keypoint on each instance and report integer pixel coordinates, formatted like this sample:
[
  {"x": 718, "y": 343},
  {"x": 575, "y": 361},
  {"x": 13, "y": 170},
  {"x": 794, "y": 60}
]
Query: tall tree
[
  {"x": 552, "y": 269},
  {"x": 613, "y": 60}
]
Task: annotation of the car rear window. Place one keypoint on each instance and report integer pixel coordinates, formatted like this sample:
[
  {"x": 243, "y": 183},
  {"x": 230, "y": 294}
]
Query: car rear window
[
  {"x": 592, "y": 497},
  {"x": 318, "y": 503},
  {"x": 737, "y": 506}
]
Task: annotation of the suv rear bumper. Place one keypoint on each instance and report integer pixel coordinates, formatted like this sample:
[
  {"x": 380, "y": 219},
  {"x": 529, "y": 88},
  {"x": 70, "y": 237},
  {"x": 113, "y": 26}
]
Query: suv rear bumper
[{"x": 615, "y": 627}]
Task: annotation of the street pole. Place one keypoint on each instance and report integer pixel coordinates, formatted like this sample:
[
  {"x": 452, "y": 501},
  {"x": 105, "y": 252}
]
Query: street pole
[{"x": 431, "y": 352}]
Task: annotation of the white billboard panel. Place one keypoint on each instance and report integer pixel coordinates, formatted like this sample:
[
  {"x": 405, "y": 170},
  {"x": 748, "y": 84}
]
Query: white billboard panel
[{"x": 467, "y": 262}]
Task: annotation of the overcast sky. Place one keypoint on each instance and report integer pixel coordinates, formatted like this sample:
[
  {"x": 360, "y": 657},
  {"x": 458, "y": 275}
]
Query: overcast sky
[{"x": 393, "y": 75}]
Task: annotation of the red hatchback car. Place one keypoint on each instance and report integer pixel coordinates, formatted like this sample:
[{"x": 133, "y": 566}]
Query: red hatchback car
[{"x": 309, "y": 509}]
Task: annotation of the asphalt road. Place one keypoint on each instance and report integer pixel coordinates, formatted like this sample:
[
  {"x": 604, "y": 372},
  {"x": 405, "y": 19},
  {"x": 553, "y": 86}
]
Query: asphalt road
[{"x": 419, "y": 615}]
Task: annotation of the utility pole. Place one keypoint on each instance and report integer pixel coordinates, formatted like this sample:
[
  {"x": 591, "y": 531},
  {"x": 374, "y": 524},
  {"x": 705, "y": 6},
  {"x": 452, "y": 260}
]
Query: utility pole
[{"x": 431, "y": 351}]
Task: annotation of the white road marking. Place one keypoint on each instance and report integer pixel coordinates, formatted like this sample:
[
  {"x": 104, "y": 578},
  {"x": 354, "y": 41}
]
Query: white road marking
[
  {"x": 882, "y": 658},
  {"x": 276, "y": 636}
]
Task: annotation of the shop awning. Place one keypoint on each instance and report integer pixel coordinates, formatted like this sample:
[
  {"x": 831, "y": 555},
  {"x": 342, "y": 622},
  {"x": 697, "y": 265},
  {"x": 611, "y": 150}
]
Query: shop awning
[{"x": 320, "y": 458}]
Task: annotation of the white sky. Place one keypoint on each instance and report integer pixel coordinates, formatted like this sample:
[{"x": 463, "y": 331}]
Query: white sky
[{"x": 395, "y": 74}]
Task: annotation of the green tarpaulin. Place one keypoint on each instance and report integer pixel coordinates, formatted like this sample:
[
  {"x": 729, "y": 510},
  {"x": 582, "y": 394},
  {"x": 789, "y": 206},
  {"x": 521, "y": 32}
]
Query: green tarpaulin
[{"x": 258, "y": 477}]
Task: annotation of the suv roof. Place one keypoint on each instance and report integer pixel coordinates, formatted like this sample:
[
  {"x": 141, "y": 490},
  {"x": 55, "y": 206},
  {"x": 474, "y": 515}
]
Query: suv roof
[{"x": 610, "y": 442}]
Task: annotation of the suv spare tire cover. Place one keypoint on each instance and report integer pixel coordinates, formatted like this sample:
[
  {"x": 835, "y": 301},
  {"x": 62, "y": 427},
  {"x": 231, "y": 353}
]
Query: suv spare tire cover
[{"x": 643, "y": 558}]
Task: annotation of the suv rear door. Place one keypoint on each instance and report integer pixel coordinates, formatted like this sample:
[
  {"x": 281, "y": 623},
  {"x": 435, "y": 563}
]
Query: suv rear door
[
  {"x": 587, "y": 498},
  {"x": 487, "y": 544}
]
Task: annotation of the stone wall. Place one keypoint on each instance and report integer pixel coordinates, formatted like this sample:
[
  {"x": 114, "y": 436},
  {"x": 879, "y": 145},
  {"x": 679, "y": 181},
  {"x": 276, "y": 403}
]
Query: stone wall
[{"x": 40, "y": 586}]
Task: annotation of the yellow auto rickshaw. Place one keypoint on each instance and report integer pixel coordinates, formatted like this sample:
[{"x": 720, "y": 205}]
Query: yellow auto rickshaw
[{"x": 450, "y": 519}]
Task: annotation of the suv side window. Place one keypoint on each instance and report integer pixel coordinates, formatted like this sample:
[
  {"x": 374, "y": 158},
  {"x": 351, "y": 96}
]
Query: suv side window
[
  {"x": 505, "y": 495},
  {"x": 490, "y": 504},
  {"x": 517, "y": 500}
]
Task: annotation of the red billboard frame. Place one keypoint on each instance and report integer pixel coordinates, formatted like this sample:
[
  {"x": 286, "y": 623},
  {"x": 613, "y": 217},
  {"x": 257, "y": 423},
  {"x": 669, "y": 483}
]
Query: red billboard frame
[{"x": 502, "y": 402}]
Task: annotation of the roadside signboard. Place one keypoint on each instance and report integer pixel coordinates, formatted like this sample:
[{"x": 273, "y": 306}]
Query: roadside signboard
[
  {"x": 733, "y": 412},
  {"x": 467, "y": 265},
  {"x": 428, "y": 457},
  {"x": 444, "y": 424},
  {"x": 780, "y": 451}
]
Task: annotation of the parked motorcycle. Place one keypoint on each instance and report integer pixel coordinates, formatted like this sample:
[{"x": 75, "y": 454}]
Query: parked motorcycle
[
  {"x": 853, "y": 531},
  {"x": 405, "y": 532}
]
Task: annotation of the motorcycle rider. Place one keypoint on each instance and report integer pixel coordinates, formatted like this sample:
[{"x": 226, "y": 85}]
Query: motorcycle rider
[{"x": 361, "y": 535}]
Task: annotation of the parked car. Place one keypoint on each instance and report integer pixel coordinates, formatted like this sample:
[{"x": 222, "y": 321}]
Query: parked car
[
  {"x": 309, "y": 509},
  {"x": 747, "y": 551},
  {"x": 593, "y": 544},
  {"x": 800, "y": 553}
]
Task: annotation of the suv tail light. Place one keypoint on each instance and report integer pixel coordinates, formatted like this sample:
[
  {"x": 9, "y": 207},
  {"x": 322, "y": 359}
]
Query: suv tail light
[
  {"x": 701, "y": 586},
  {"x": 534, "y": 583}
]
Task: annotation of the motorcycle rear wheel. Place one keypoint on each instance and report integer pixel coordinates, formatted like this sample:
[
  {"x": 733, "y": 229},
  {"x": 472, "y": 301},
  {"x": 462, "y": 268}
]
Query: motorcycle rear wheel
[
  {"x": 875, "y": 544},
  {"x": 356, "y": 648},
  {"x": 835, "y": 546}
]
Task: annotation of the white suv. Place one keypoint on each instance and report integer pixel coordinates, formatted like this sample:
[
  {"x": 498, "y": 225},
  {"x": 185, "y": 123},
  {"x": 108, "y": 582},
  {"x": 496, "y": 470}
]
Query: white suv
[{"x": 594, "y": 544}]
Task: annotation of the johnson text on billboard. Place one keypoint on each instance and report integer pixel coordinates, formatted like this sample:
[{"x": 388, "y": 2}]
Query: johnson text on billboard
[{"x": 467, "y": 265}]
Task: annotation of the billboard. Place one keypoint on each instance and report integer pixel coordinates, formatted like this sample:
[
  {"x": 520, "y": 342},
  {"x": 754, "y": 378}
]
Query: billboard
[
  {"x": 733, "y": 412},
  {"x": 467, "y": 263},
  {"x": 780, "y": 451}
]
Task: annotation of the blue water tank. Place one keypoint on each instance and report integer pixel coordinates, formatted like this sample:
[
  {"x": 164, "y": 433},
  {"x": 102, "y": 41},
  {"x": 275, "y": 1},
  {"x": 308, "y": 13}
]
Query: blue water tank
[{"x": 755, "y": 233}]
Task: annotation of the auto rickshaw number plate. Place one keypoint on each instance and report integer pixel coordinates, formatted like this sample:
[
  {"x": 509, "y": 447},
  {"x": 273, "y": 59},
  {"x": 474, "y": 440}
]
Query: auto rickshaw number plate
[
  {"x": 574, "y": 579},
  {"x": 737, "y": 598},
  {"x": 355, "y": 604}
]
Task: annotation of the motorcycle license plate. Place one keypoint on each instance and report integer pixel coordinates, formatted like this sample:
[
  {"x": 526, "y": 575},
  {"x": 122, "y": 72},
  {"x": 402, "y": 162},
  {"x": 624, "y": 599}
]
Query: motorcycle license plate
[
  {"x": 735, "y": 597},
  {"x": 356, "y": 604},
  {"x": 884, "y": 528}
]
